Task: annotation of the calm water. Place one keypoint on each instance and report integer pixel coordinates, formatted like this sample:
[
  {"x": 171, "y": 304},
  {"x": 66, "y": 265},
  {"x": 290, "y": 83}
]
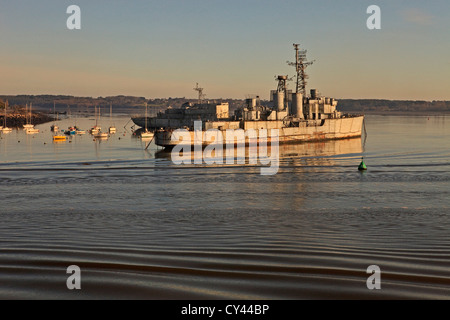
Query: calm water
[{"x": 139, "y": 226}]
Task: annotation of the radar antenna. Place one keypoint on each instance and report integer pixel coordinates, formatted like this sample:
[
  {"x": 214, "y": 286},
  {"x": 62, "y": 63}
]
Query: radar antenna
[
  {"x": 282, "y": 87},
  {"x": 300, "y": 65},
  {"x": 200, "y": 93},
  {"x": 282, "y": 83}
]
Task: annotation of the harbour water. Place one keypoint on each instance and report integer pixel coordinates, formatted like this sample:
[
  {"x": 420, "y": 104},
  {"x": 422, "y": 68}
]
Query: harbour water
[{"x": 140, "y": 226}]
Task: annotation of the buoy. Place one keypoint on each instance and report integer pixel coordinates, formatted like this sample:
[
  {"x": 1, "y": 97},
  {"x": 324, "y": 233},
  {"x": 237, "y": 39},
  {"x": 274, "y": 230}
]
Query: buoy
[{"x": 362, "y": 165}]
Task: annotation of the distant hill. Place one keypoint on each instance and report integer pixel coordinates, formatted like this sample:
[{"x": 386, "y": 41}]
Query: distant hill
[
  {"x": 397, "y": 106},
  {"x": 136, "y": 105},
  {"x": 120, "y": 104}
]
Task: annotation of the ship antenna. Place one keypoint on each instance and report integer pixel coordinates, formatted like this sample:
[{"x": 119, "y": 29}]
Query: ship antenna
[
  {"x": 200, "y": 93},
  {"x": 300, "y": 65}
]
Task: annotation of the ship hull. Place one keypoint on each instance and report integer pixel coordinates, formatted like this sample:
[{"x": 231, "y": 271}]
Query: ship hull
[
  {"x": 326, "y": 129},
  {"x": 140, "y": 121}
]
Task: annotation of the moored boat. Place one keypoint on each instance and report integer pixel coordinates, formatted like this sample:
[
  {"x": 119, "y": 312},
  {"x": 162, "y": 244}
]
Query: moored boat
[
  {"x": 71, "y": 131},
  {"x": 95, "y": 129},
  {"x": 147, "y": 135},
  {"x": 101, "y": 135},
  {"x": 32, "y": 130},
  {"x": 5, "y": 128},
  {"x": 28, "y": 115},
  {"x": 112, "y": 128},
  {"x": 59, "y": 138},
  {"x": 144, "y": 133},
  {"x": 54, "y": 127}
]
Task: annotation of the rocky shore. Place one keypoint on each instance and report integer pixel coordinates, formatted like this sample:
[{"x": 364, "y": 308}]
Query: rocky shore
[{"x": 18, "y": 117}]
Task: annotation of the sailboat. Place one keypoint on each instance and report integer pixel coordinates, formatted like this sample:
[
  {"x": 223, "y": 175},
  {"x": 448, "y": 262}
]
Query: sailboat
[
  {"x": 57, "y": 137},
  {"x": 72, "y": 129},
  {"x": 54, "y": 127},
  {"x": 29, "y": 128},
  {"x": 27, "y": 125},
  {"x": 112, "y": 128},
  {"x": 99, "y": 134},
  {"x": 146, "y": 134},
  {"x": 5, "y": 128},
  {"x": 95, "y": 129}
]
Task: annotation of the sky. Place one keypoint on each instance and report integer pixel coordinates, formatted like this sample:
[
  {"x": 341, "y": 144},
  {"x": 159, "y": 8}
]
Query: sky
[{"x": 232, "y": 48}]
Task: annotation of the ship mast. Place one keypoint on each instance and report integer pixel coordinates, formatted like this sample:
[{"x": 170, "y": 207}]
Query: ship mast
[
  {"x": 200, "y": 93},
  {"x": 300, "y": 65}
]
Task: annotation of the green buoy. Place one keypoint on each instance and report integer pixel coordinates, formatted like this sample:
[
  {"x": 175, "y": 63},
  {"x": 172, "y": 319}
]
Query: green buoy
[{"x": 362, "y": 165}]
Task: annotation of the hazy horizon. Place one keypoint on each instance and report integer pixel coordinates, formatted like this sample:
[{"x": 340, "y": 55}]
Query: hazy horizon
[
  {"x": 195, "y": 98},
  {"x": 231, "y": 48}
]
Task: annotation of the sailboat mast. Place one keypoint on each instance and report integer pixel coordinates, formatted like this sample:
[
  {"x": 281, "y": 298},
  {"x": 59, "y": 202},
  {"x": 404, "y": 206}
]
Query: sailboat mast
[
  {"x": 110, "y": 113},
  {"x": 4, "y": 120}
]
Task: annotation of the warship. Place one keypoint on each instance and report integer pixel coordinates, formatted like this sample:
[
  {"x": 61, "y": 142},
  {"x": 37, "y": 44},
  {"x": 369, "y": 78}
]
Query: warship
[{"x": 298, "y": 117}]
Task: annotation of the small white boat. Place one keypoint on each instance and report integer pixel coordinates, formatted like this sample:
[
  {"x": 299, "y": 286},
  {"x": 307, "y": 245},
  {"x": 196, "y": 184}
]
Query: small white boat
[
  {"x": 80, "y": 132},
  {"x": 54, "y": 127},
  {"x": 112, "y": 128},
  {"x": 94, "y": 130},
  {"x": 101, "y": 135},
  {"x": 5, "y": 128},
  {"x": 28, "y": 113},
  {"x": 147, "y": 135},
  {"x": 32, "y": 130}
]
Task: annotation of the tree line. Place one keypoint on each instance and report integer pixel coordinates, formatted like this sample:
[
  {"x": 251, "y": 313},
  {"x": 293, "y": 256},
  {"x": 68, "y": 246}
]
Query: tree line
[{"x": 131, "y": 104}]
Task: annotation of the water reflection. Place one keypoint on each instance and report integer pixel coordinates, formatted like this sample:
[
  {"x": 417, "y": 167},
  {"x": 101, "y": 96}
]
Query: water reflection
[{"x": 246, "y": 155}]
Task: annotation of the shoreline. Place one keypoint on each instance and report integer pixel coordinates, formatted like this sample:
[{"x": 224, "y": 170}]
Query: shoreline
[
  {"x": 18, "y": 117},
  {"x": 403, "y": 113}
]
